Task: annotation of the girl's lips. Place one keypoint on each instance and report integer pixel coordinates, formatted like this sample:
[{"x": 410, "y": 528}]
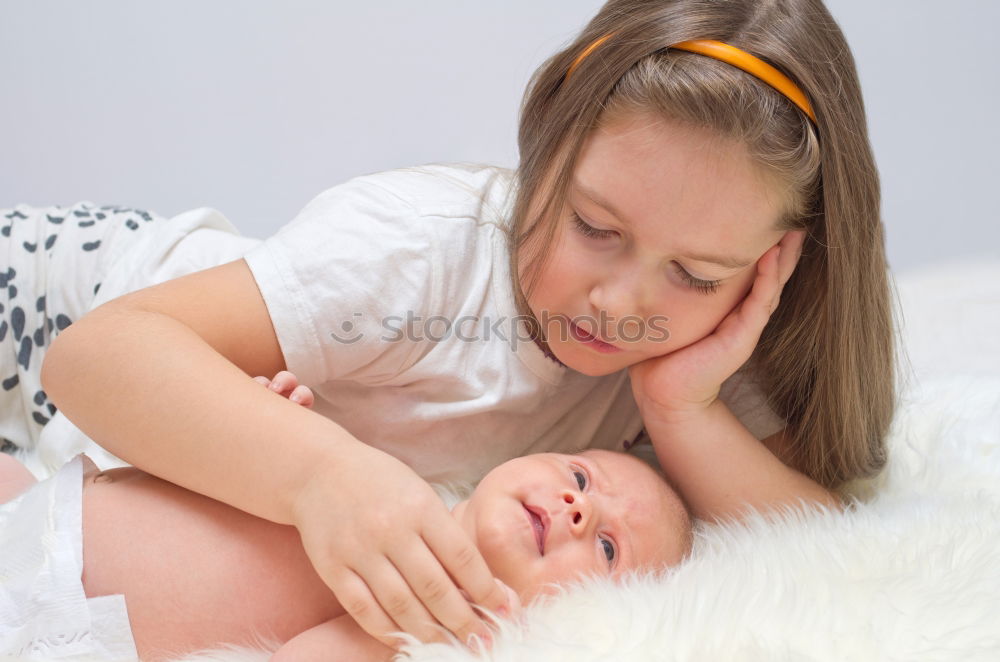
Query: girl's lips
[
  {"x": 593, "y": 341},
  {"x": 539, "y": 521}
]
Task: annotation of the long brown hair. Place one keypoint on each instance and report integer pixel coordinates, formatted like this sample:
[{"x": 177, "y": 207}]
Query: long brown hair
[{"x": 826, "y": 358}]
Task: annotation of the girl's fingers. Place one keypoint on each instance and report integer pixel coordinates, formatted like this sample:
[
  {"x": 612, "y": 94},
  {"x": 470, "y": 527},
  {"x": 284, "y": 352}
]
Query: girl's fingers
[
  {"x": 791, "y": 251},
  {"x": 737, "y": 335},
  {"x": 790, "y": 248},
  {"x": 513, "y": 599},
  {"x": 357, "y": 600},
  {"x": 262, "y": 380},
  {"x": 466, "y": 566},
  {"x": 398, "y": 602},
  {"x": 763, "y": 297},
  {"x": 437, "y": 592}
]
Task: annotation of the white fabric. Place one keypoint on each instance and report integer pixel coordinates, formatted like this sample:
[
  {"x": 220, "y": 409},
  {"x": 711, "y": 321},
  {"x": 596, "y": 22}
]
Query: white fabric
[
  {"x": 189, "y": 242},
  {"x": 426, "y": 242},
  {"x": 44, "y": 613}
]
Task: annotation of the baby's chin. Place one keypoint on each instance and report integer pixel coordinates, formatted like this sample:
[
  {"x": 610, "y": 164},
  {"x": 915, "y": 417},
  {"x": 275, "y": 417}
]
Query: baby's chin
[
  {"x": 530, "y": 588},
  {"x": 529, "y": 578}
]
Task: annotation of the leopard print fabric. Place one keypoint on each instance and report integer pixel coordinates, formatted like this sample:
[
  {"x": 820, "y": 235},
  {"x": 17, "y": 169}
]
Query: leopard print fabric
[{"x": 52, "y": 260}]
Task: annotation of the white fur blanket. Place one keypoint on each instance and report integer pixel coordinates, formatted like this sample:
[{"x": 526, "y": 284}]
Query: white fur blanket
[{"x": 909, "y": 572}]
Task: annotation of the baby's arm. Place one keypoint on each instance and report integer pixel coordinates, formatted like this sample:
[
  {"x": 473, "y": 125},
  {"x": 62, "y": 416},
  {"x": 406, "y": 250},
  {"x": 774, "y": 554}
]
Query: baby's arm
[{"x": 335, "y": 640}]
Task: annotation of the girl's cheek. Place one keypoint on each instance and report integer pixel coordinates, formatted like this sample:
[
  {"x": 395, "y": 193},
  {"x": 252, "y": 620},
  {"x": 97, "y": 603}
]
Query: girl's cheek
[{"x": 686, "y": 323}]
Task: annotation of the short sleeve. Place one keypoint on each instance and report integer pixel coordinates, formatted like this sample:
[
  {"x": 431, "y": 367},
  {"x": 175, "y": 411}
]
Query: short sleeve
[
  {"x": 744, "y": 397},
  {"x": 340, "y": 280}
]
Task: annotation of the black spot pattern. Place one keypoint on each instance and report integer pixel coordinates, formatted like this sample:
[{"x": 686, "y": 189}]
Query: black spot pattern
[{"x": 33, "y": 313}]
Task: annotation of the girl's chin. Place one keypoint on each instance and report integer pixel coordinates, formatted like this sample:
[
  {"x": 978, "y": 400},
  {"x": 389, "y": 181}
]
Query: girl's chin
[{"x": 593, "y": 364}]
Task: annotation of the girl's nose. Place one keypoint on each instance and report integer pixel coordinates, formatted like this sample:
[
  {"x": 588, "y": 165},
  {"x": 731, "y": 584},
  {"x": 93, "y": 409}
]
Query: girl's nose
[
  {"x": 579, "y": 511},
  {"x": 620, "y": 295}
]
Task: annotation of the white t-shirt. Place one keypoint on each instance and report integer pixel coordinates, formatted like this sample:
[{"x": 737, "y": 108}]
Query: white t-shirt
[{"x": 391, "y": 297}]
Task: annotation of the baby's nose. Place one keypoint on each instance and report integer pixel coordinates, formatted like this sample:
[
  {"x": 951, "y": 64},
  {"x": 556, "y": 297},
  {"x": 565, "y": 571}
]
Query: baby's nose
[{"x": 579, "y": 510}]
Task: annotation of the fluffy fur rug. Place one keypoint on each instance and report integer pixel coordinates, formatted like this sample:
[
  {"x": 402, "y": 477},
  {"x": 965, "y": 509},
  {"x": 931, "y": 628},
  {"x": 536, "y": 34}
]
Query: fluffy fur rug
[{"x": 911, "y": 571}]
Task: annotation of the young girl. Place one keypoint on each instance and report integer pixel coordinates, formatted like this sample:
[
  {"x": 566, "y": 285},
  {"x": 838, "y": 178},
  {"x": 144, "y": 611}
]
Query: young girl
[{"x": 690, "y": 248}]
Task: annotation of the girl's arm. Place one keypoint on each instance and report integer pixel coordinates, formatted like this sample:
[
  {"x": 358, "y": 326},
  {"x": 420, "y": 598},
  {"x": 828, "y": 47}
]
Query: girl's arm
[
  {"x": 720, "y": 467},
  {"x": 124, "y": 372},
  {"x": 159, "y": 378}
]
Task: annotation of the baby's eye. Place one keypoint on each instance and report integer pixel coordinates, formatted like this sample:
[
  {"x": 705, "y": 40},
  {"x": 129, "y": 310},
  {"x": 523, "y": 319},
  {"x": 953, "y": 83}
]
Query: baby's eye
[
  {"x": 609, "y": 550},
  {"x": 581, "y": 479}
]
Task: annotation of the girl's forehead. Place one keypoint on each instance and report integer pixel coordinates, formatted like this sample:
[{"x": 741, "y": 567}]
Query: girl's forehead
[
  {"x": 672, "y": 179},
  {"x": 654, "y": 155}
]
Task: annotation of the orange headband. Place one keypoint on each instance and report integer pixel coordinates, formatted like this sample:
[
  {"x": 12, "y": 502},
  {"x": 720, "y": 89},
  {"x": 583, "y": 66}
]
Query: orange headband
[{"x": 730, "y": 55}]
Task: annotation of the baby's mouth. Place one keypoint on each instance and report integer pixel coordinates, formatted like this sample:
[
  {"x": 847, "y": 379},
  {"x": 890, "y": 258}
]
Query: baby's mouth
[{"x": 539, "y": 524}]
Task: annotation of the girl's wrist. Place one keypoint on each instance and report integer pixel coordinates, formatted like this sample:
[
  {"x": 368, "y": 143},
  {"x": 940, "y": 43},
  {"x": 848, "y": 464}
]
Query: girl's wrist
[
  {"x": 655, "y": 415},
  {"x": 327, "y": 463}
]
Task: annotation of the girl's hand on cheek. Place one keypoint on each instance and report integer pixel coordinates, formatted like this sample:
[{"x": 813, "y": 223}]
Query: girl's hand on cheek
[
  {"x": 287, "y": 384},
  {"x": 384, "y": 542},
  {"x": 689, "y": 379}
]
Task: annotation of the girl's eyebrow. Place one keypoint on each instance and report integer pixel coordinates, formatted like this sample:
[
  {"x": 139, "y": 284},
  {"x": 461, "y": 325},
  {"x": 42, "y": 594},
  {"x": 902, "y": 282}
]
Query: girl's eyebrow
[{"x": 601, "y": 201}]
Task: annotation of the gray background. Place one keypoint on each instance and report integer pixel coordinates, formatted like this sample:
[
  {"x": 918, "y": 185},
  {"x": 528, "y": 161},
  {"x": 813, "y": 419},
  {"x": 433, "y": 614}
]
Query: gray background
[{"x": 253, "y": 108}]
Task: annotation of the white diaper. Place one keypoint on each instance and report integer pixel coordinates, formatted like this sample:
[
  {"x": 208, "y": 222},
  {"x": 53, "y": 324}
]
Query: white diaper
[{"x": 44, "y": 613}]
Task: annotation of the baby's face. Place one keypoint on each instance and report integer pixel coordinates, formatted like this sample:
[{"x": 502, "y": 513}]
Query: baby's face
[{"x": 550, "y": 518}]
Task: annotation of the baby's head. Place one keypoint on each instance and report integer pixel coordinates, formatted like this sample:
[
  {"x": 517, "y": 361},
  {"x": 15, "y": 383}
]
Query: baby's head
[{"x": 549, "y": 518}]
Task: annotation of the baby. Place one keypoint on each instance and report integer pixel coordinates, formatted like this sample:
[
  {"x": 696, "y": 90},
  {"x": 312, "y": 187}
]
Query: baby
[{"x": 197, "y": 573}]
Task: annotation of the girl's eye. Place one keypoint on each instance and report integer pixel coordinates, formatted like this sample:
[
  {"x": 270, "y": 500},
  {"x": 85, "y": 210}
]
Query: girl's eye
[
  {"x": 704, "y": 286},
  {"x": 589, "y": 231},
  {"x": 609, "y": 550},
  {"x": 581, "y": 479}
]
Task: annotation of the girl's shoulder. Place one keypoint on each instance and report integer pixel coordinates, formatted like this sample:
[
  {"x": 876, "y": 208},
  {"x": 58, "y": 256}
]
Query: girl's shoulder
[{"x": 474, "y": 191}]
